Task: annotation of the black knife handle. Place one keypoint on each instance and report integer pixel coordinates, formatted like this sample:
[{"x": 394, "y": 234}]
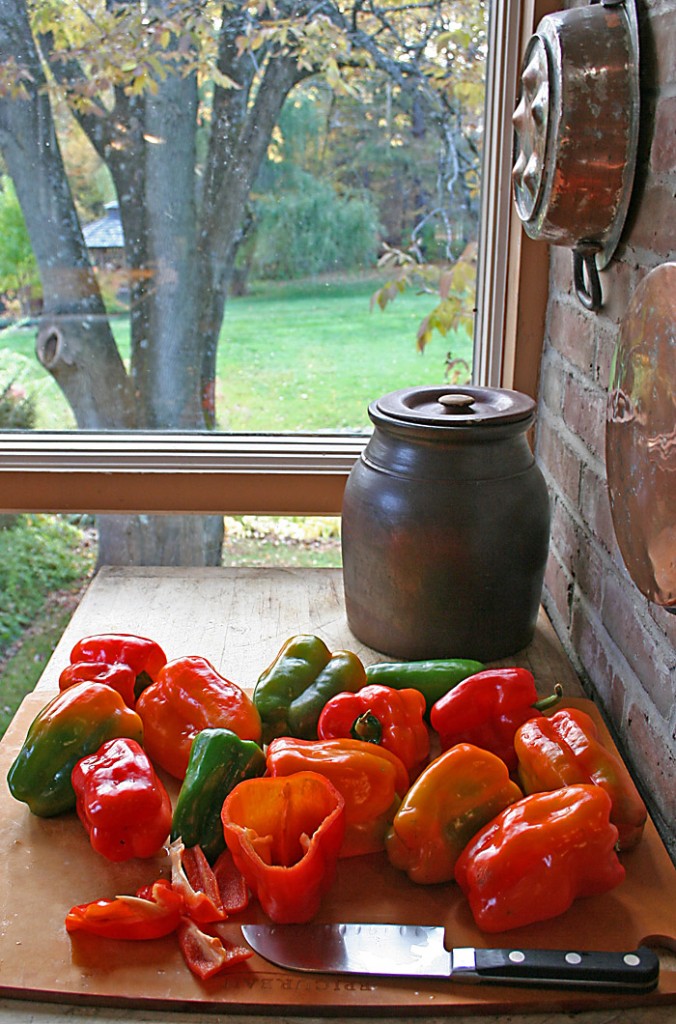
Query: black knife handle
[{"x": 637, "y": 971}]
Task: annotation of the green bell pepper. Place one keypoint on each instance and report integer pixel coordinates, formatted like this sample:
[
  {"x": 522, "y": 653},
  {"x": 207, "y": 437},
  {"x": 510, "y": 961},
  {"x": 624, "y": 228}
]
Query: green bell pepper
[
  {"x": 292, "y": 691},
  {"x": 218, "y": 761},
  {"x": 71, "y": 726},
  {"x": 432, "y": 678}
]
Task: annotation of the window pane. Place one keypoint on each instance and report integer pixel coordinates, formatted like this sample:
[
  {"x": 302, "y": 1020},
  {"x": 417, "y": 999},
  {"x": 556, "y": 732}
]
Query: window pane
[{"x": 245, "y": 221}]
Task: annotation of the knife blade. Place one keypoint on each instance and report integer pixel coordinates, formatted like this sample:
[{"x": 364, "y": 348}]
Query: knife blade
[{"x": 419, "y": 951}]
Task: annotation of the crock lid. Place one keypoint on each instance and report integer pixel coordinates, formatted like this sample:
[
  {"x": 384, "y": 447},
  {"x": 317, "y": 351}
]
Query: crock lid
[{"x": 456, "y": 406}]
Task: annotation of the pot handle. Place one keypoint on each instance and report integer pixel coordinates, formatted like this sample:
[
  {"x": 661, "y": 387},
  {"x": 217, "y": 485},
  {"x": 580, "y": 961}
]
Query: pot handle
[{"x": 587, "y": 286}]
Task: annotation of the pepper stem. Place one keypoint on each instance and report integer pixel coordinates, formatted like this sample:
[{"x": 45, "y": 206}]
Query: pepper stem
[
  {"x": 548, "y": 702},
  {"x": 367, "y": 728}
]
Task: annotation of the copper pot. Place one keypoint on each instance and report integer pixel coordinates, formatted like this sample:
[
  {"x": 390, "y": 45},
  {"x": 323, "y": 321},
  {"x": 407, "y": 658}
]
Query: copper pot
[
  {"x": 576, "y": 134},
  {"x": 445, "y": 527}
]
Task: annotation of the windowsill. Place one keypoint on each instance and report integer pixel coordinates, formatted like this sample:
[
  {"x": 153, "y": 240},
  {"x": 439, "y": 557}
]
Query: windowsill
[{"x": 54, "y": 471}]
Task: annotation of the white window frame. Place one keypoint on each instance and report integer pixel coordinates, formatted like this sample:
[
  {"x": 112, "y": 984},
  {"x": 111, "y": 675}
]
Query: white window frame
[{"x": 301, "y": 474}]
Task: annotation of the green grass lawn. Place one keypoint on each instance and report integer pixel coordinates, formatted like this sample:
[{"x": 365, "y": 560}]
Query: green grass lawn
[
  {"x": 293, "y": 357},
  {"x": 313, "y": 357}
]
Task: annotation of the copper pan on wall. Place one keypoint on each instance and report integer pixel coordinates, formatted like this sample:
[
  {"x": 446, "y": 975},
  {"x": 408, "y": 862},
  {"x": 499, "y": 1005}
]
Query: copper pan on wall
[
  {"x": 641, "y": 437},
  {"x": 576, "y": 134}
]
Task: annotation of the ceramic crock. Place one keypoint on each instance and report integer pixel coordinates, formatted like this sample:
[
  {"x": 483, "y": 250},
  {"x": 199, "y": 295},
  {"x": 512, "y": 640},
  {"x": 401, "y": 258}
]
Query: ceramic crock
[{"x": 445, "y": 526}]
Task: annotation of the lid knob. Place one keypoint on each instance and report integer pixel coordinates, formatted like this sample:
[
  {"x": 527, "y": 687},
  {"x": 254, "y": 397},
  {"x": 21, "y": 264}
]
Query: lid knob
[{"x": 456, "y": 402}]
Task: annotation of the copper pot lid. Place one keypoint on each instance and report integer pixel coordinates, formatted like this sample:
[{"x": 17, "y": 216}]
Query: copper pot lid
[
  {"x": 641, "y": 437},
  {"x": 455, "y": 407}
]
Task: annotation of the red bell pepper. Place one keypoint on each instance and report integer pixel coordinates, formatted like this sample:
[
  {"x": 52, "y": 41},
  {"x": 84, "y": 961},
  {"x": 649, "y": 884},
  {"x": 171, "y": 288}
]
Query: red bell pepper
[
  {"x": 188, "y": 696},
  {"x": 121, "y": 802},
  {"x": 565, "y": 749},
  {"x": 119, "y": 677},
  {"x": 156, "y": 910},
  {"x": 487, "y": 708},
  {"x": 126, "y": 662},
  {"x": 539, "y": 855},
  {"x": 285, "y": 836},
  {"x": 381, "y": 715}
]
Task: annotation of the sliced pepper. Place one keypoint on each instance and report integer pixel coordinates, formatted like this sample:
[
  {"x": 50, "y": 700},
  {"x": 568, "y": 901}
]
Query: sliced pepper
[
  {"x": 218, "y": 760},
  {"x": 370, "y": 779},
  {"x": 73, "y": 724},
  {"x": 232, "y": 888},
  {"x": 207, "y": 955},
  {"x": 142, "y": 656},
  {"x": 292, "y": 691},
  {"x": 188, "y": 696},
  {"x": 121, "y": 802},
  {"x": 539, "y": 855},
  {"x": 487, "y": 708},
  {"x": 455, "y": 796},
  {"x": 155, "y": 911},
  {"x": 380, "y": 715},
  {"x": 433, "y": 678},
  {"x": 565, "y": 749},
  {"x": 193, "y": 878},
  {"x": 285, "y": 835}
]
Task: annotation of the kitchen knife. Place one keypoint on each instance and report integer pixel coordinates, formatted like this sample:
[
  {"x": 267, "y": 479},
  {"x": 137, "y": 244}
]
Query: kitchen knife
[{"x": 418, "y": 951}]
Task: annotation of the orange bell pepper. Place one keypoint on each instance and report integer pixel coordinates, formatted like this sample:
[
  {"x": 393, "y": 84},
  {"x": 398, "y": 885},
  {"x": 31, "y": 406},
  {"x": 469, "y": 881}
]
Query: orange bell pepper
[
  {"x": 370, "y": 779},
  {"x": 565, "y": 749},
  {"x": 188, "y": 696},
  {"x": 285, "y": 835},
  {"x": 380, "y": 715},
  {"x": 458, "y": 793},
  {"x": 539, "y": 855}
]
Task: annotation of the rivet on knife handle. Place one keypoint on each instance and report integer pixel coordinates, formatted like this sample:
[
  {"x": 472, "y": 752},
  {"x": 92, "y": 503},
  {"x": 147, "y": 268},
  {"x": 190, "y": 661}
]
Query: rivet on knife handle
[{"x": 637, "y": 971}]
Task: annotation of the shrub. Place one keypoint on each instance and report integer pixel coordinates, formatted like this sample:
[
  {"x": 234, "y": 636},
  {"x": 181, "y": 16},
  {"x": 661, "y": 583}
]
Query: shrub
[
  {"x": 314, "y": 230},
  {"x": 38, "y": 554},
  {"x": 17, "y": 402}
]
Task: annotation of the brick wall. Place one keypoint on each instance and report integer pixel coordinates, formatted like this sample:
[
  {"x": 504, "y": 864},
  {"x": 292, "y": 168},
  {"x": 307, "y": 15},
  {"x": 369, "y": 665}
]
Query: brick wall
[{"x": 623, "y": 646}]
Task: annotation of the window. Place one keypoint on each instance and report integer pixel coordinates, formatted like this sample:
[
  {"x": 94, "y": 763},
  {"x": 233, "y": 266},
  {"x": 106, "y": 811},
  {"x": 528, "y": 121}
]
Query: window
[{"x": 180, "y": 470}]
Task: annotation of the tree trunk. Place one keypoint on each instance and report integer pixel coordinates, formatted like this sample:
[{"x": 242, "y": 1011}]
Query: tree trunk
[
  {"x": 74, "y": 342},
  {"x": 229, "y": 176},
  {"x": 160, "y": 540}
]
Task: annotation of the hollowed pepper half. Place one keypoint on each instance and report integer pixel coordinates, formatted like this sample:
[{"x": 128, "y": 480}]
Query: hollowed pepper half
[
  {"x": 219, "y": 759},
  {"x": 292, "y": 691},
  {"x": 72, "y": 725},
  {"x": 370, "y": 779},
  {"x": 456, "y": 795},
  {"x": 539, "y": 855},
  {"x": 189, "y": 695},
  {"x": 487, "y": 708},
  {"x": 380, "y": 715},
  {"x": 565, "y": 749},
  {"x": 285, "y": 835}
]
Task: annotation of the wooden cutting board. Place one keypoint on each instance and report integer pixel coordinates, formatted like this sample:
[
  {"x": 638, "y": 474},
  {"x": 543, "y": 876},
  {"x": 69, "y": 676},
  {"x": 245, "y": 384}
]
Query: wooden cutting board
[{"x": 48, "y": 866}]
